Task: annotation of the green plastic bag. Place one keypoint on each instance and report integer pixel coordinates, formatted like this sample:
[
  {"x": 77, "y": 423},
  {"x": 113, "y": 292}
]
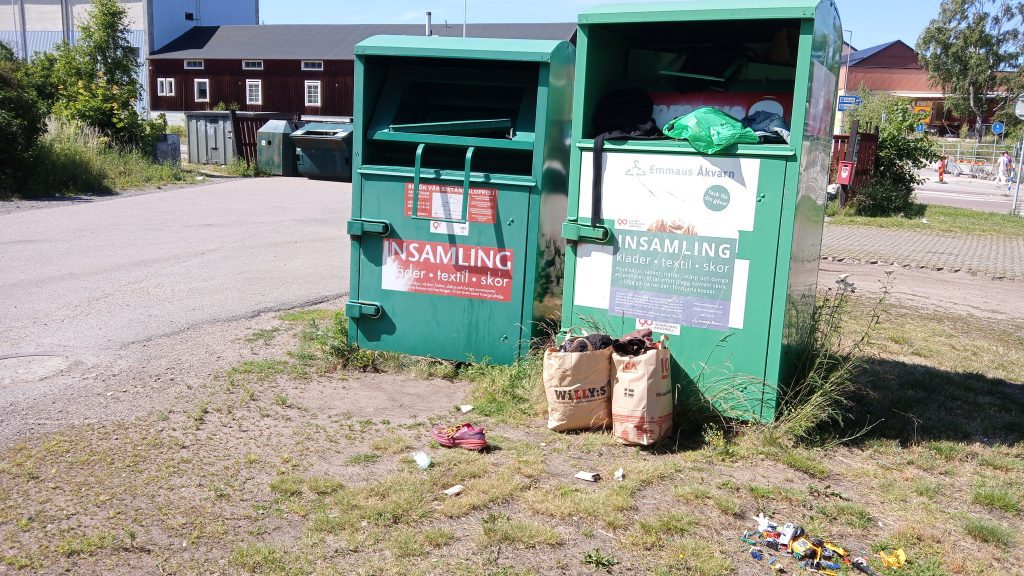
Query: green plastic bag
[{"x": 709, "y": 130}]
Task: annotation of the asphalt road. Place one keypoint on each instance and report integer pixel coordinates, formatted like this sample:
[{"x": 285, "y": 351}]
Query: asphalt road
[
  {"x": 81, "y": 280},
  {"x": 964, "y": 192}
]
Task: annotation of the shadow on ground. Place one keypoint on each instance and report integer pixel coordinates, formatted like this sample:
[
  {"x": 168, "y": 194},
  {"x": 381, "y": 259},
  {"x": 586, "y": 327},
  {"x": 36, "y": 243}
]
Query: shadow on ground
[{"x": 911, "y": 403}]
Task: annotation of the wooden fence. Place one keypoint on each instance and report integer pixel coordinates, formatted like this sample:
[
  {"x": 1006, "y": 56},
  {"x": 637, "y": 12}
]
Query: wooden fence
[{"x": 863, "y": 156}]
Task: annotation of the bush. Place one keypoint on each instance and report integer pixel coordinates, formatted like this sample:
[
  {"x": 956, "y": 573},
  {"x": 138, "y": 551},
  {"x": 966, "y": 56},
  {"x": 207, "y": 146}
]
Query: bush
[
  {"x": 75, "y": 159},
  {"x": 21, "y": 122},
  {"x": 884, "y": 198},
  {"x": 900, "y": 155},
  {"x": 96, "y": 79}
]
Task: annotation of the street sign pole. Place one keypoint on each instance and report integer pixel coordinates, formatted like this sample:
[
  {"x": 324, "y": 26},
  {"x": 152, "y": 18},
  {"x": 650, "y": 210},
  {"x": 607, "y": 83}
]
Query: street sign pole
[
  {"x": 1018, "y": 110},
  {"x": 1015, "y": 207}
]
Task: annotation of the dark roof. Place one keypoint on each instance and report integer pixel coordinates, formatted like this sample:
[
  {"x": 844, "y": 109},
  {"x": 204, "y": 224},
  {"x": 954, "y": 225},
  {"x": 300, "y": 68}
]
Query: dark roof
[
  {"x": 860, "y": 55},
  {"x": 327, "y": 41}
]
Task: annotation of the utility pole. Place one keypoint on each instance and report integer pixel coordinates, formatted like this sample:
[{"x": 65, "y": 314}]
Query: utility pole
[
  {"x": 846, "y": 77},
  {"x": 465, "y": 11},
  {"x": 24, "y": 34},
  {"x": 1015, "y": 207}
]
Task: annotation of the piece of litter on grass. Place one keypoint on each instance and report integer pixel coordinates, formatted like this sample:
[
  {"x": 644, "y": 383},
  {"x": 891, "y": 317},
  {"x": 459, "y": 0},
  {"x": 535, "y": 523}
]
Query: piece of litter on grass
[
  {"x": 422, "y": 460},
  {"x": 465, "y": 408},
  {"x": 588, "y": 476},
  {"x": 620, "y": 474},
  {"x": 455, "y": 490},
  {"x": 925, "y": 221},
  {"x": 543, "y": 444}
]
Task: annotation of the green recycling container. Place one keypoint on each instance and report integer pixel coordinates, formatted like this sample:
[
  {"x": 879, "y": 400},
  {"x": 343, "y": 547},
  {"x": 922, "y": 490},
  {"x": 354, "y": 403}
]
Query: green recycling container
[
  {"x": 323, "y": 150},
  {"x": 459, "y": 191},
  {"x": 275, "y": 152},
  {"x": 719, "y": 252}
]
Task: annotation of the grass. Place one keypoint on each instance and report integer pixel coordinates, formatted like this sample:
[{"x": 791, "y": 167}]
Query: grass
[
  {"x": 505, "y": 393},
  {"x": 990, "y": 532},
  {"x": 287, "y": 485},
  {"x": 499, "y": 529},
  {"x": 996, "y": 497},
  {"x": 848, "y": 514},
  {"x": 363, "y": 458},
  {"x": 265, "y": 336},
  {"x": 321, "y": 492},
  {"x": 72, "y": 159},
  {"x": 85, "y": 545},
  {"x": 324, "y": 485},
  {"x": 599, "y": 560},
  {"x": 944, "y": 219},
  {"x": 695, "y": 557},
  {"x": 267, "y": 559}
]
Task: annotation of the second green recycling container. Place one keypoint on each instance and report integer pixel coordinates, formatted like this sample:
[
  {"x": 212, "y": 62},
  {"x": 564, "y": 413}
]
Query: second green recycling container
[
  {"x": 718, "y": 252},
  {"x": 458, "y": 194},
  {"x": 323, "y": 150}
]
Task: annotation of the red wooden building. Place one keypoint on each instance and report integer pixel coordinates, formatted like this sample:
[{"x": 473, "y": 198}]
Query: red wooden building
[
  {"x": 302, "y": 69},
  {"x": 894, "y": 67}
]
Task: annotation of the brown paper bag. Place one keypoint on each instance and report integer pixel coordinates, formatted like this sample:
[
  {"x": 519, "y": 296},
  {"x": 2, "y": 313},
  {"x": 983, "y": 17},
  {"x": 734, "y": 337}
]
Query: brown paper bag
[
  {"x": 642, "y": 397},
  {"x": 578, "y": 388}
]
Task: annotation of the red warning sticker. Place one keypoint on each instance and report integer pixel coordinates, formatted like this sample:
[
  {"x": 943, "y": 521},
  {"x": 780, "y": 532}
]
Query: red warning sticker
[
  {"x": 460, "y": 271},
  {"x": 444, "y": 202}
]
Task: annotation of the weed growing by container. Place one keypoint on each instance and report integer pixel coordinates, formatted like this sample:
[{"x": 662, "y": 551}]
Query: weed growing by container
[{"x": 815, "y": 407}]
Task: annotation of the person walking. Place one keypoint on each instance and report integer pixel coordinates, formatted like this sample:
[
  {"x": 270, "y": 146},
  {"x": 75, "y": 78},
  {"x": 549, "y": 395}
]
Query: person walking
[
  {"x": 1003, "y": 168},
  {"x": 942, "y": 169}
]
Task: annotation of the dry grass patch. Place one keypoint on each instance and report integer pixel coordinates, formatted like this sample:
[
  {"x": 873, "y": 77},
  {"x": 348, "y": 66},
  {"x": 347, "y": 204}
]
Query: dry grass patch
[
  {"x": 695, "y": 557},
  {"x": 483, "y": 492},
  {"x": 500, "y": 529}
]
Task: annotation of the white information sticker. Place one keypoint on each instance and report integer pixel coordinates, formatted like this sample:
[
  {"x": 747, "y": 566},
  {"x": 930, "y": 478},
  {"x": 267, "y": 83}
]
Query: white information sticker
[
  {"x": 659, "y": 327},
  {"x": 454, "y": 228}
]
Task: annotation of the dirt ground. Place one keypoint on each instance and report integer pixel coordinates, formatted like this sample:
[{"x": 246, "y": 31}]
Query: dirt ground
[
  {"x": 954, "y": 292},
  {"x": 218, "y": 451},
  {"x": 46, "y": 394}
]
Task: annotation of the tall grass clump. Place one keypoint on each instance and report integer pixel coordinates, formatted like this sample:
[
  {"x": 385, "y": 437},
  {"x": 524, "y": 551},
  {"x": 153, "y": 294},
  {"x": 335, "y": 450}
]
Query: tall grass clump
[
  {"x": 242, "y": 168},
  {"x": 324, "y": 348},
  {"x": 510, "y": 392},
  {"x": 812, "y": 407},
  {"x": 72, "y": 158},
  {"x": 818, "y": 402}
]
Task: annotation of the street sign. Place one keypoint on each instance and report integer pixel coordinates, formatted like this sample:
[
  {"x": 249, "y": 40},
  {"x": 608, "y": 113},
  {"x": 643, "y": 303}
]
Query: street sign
[
  {"x": 1019, "y": 109},
  {"x": 849, "y": 102},
  {"x": 920, "y": 127},
  {"x": 998, "y": 128}
]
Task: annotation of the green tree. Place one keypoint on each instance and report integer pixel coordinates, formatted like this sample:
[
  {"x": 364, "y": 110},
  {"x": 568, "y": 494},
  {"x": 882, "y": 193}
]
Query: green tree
[
  {"x": 972, "y": 50},
  {"x": 21, "y": 121},
  {"x": 97, "y": 77},
  {"x": 901, "y": 153}
]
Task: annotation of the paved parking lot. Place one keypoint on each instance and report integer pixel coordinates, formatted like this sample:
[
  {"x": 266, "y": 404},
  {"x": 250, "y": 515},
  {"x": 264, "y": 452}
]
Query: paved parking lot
[{"x": 89, "y": 277}]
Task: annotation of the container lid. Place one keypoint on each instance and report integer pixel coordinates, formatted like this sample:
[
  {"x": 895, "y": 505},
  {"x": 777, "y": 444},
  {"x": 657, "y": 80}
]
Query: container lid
[
  {"x": 700, "y": 10},
  {"x": 464, "y": 48}
]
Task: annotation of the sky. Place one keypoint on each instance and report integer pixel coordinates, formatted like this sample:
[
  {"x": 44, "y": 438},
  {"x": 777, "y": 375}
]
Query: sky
[{"x": 871, "y": 22}]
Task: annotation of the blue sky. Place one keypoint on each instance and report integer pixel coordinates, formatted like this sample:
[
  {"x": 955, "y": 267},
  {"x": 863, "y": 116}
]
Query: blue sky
[{"x": 872, "y": 21}]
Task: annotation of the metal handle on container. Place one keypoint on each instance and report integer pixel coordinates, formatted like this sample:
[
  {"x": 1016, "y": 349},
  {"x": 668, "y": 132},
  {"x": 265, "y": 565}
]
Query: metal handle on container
[{"x": 417, "y": 168}]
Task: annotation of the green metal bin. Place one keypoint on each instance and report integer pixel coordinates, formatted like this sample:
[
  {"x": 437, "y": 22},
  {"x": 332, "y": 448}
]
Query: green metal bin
[
  {"x": 275, "y": 151},
  {"x": 718, "y": 252},
  {"x": 324, "y": 150},
  {"x": 458, "y": 194}
]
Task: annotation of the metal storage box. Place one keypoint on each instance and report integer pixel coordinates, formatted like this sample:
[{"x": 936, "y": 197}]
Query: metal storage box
[
  {"x": 275, "y": 151},
  {"x": 324, "y": 150},
  {"x": 719, "y": 252},
  {"x": 210, "y": 137},
  {"x": 459, "y": 190},
  {"x": 167, "y": 149}
]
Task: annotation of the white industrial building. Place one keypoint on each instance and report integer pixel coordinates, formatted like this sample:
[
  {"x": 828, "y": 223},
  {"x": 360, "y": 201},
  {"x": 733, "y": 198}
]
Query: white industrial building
[{"x": 32, "y": 26}]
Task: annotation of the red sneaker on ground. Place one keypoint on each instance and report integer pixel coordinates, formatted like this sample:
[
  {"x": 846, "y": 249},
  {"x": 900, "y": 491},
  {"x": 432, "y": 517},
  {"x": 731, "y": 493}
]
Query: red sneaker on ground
[{"x": 464, "y": 435}]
